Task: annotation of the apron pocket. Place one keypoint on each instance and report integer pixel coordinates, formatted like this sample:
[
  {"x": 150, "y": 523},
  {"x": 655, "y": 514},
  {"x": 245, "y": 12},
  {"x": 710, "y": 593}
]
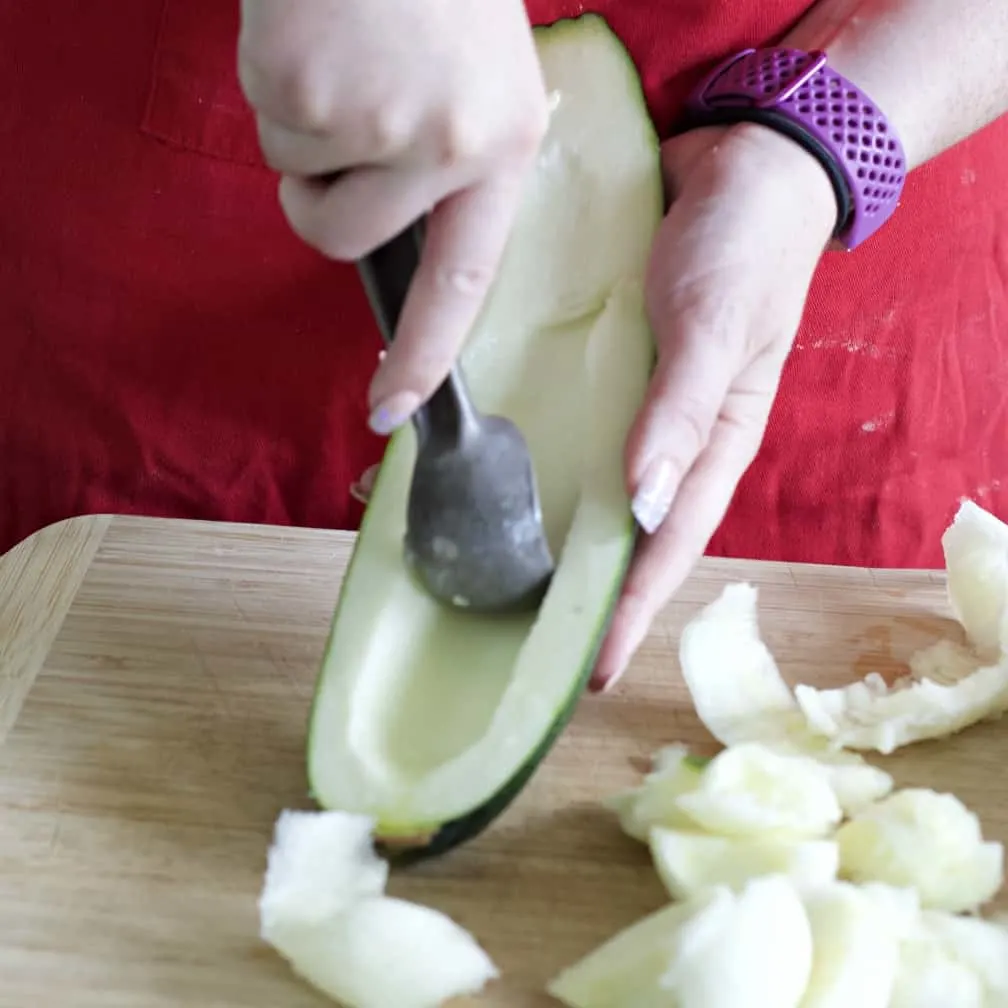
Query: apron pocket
[{"x": 195, "y": 102}]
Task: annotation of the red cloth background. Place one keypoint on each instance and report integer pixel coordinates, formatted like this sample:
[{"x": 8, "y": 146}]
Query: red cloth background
[{"x": 168, "y": 347}]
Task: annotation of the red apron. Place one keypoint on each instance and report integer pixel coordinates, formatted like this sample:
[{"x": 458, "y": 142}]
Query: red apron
[{"x": 168, "y": 347}]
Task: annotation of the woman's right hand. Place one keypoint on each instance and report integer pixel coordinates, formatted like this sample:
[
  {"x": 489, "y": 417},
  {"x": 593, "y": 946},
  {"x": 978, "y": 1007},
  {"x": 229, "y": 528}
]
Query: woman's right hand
[{"x": 413, "y": 108}]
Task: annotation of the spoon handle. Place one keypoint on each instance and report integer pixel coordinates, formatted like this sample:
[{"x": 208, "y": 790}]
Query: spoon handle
[{"x": 386, "y": 274}]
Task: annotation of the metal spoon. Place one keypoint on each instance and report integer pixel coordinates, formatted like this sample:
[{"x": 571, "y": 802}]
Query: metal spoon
[{"x": 474, "y": 529}]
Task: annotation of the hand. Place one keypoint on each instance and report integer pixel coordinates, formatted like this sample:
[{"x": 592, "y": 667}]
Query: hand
[
  {"x": 751, "y": 214},
  {"x": 378, "y": 112}
]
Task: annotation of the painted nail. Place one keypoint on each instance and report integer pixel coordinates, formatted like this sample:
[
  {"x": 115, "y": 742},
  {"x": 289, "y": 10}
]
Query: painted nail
[
  {"x": 361, "y": 488},
  {"x": 393, "y": 412},
  {"x": 608, "y": 685},
  {"x": 654, "y": 495}
]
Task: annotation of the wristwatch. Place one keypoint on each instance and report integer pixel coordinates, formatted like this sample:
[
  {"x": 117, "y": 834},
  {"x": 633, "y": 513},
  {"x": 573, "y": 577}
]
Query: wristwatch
[{"x": 798, "y": 94}]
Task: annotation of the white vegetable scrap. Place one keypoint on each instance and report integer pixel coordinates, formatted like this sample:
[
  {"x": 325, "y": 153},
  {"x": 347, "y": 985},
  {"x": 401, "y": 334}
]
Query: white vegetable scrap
[
  {"x": 728, "y": 955},
  {"x": 731, "y": 675},
  {"x": 952, "y": 961},
  {"x": 653, "y": 802},
  {"x": 928, "y": 977},
  {"x": 855, "y": 781},
  {"x": 684, "y": 792},
  {"x": 713, "y": 951},
  {"x": 626, "y": 969},
  {"x": 945, "y": 662},
  {"x": 323, "y": 908},
  {"x": 674, "y": 756},
  {"x": 750, "y": 790},
  {"x": 976, "y": 562},
  {"x": 318, "y": 865},
  {"x": 950, "y": 689},
  {"x": 980, "y": 946},
  {"x": 924, "y": 840},
  {"x": 882, "y": 894},
  {"x": 689, "y": 862},
  {"x": 898, "y": 906},
  {"x": 857, "y": 953},
  {"x": 874, "y": 715},
  {"x": 740, "y": 695}
]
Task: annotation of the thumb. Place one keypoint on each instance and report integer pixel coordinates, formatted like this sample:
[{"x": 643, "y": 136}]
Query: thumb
[
  {"x": 692, "y": 379},
  {"x": 465, "y": 238}
]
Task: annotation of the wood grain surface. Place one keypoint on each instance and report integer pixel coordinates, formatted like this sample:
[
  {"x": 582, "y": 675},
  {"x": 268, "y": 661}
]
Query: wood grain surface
[{"x": 154, "y": 689}]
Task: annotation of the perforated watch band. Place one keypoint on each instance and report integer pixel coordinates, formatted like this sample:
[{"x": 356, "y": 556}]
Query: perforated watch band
[{"x": 800, "y": 95}]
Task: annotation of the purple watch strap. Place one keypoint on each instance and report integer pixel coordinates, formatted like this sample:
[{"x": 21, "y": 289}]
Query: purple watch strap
[{"x": 797, "y": 93}]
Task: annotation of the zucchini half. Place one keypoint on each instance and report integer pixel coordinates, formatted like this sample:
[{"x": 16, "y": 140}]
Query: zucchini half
[{"x": 431, "y": 721}]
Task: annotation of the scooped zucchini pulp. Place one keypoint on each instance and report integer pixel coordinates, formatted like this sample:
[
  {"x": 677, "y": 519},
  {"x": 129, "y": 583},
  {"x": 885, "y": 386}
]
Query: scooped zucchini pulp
[{"x": 430, "y": 721}]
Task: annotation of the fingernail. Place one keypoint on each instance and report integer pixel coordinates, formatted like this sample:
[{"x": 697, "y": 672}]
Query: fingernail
[
  {"x": 619, "y": 660},
  {"x": 361, "y": 488},
  {"x": 654, "y": 495},
  {"x": 608, "y": 685},
  {"x": 393, "y": 412}
]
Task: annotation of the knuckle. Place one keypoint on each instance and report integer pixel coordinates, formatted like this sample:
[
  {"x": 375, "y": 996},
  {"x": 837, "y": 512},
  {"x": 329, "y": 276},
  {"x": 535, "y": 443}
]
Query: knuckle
[
  {"x": 472, "y": 129},
  {"x": 390, "y": 128},
  {"x": 746, "y": 415},
  {"x": 293, "y": 92},
  {"x": 462, "y": 137},
  {"x": 694, "y": 416},
  {"x": 304, "y": 98}
]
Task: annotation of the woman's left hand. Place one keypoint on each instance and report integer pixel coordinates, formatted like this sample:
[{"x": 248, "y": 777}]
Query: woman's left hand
[{"x": 751, "y": 213}]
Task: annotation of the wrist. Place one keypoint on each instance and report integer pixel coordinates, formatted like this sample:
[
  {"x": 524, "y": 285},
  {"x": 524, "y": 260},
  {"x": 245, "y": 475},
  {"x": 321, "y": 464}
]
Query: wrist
[
  {"x": 761, "y": 150},
  {"x": 800, "y": 96},
  {"x": 936, "y": 68}
]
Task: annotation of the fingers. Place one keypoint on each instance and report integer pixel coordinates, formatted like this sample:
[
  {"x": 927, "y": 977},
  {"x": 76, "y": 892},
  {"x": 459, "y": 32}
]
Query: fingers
[
  {"x": 302, "y": 152},
  {"x": 373, "y": 129},
  {"x": 348, "y": 218},
  {"x": 465, "y": 238},
  {"x": 684, "y": 399},
  {"x": 684, "y": 454},
  {"x": 362, "y": 488},
  {"x": 664, "y": 559}
]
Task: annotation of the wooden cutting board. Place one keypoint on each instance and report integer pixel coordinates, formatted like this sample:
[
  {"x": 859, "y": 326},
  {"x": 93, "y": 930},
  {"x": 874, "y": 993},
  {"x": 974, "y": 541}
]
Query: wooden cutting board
[{"x": 154, "y": 688}]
